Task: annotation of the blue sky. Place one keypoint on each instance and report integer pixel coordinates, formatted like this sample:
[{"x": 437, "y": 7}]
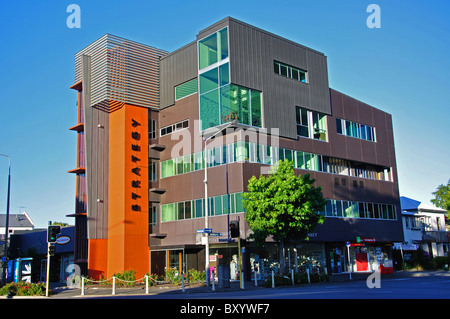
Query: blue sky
[{"x": 401, "y": 68}]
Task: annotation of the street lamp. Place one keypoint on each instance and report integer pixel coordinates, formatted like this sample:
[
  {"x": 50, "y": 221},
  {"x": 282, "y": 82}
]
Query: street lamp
[
  {"x": 234, "y": 122},
  {"x": 7, "y": 222}
]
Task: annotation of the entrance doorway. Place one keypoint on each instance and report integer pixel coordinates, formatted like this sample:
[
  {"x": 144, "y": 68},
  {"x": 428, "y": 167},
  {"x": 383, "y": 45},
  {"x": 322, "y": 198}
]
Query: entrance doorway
[{"x": 362, "y": 261}]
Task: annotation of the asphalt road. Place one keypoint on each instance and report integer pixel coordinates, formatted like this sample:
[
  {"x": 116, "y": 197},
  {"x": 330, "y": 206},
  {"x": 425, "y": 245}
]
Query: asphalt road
[{"x": 420, "y": 285}]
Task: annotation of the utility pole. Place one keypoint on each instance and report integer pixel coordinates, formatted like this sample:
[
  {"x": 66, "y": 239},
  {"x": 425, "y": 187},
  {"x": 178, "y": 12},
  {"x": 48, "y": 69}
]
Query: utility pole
[{"x": 5, "y": 258}]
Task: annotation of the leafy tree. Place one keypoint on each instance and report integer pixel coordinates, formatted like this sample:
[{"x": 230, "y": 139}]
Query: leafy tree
[
  {"x": 442, "y": 197},
  {"x": 283, "y": 205}
]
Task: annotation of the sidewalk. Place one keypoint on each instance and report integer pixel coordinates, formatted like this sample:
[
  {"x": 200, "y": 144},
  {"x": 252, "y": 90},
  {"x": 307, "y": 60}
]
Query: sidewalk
[{"x": 92, "y": 291}]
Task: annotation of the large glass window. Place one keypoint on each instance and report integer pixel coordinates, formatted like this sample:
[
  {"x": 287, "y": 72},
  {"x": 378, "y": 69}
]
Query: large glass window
[
  {"x": 209, "y": 109},
  {"x": 289, "y": 71},
  {"x": 241, "y": 103},
  {"x": 356, "y": 130},
  {"x": 207, "y": 51},
  {"x": 311, "y": 124},
  {"x": 221, "y": 102}
]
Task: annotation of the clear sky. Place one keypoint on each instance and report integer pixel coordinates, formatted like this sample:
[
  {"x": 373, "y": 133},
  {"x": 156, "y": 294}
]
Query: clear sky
[{"x": 402, "y": 68}]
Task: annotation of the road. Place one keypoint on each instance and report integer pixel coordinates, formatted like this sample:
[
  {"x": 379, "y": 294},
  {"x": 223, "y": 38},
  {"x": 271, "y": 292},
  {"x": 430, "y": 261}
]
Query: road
[{"x": 426, "y": 285}]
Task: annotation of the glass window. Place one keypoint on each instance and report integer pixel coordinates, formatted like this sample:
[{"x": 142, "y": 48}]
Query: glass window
[
  {"x": 209, "y": 109},
  {"x": 276, "y": 67},
  {"x": 209, "y": 81},
  {"x": 239, "y": 204},
  {"x": 283, "y": 70},
  {"x": 171, "y": 212},
  {"x": 199, "y": 207},
  {"x": 218, "y": 205},
  {"x": 225, "y": 204},
  {"x": 224, "y": 74},
  {"x": 233, "y": 203},
  {"x": 362, "y": 210},
  {"x": 319, "y": 126},
  {"x": 163, "y": 169},
  {"x": 170, "y": 171},
  {"x": 339, "y": 208},
  {"x": 295, "y": 74},
  {"x": 339, "y": 126},
  {"x": 207, "y": 51},
  {"x": 256, "y": 108},
  {"x": 222, "y": 42},
  {"x": 300, "y": 160},
  {"x": 187, "y": 210},
  {"x": 180, "y": 210}
]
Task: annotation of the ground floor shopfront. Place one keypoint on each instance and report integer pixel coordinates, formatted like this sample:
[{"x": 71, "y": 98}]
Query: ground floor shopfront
[{"x": 332, "y": 258}]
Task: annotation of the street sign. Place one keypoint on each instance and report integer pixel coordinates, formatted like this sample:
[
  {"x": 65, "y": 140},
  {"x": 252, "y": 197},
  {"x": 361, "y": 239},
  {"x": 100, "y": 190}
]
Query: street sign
[
  {"x": 231, "y": 240},
  {"x": 62, "y": 240},
  {"x": 215, "y": 234},
  {"x": 205, "y": 230}
]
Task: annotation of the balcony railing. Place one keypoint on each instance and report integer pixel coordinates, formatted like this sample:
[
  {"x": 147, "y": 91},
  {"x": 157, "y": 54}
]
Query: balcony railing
[{"x": 436, "y": 236}]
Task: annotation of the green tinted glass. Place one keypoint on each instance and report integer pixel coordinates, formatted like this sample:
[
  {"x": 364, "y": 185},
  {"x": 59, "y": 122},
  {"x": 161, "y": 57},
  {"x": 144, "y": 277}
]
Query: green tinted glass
[
  {"x": 207, "y": 51},
  {"x": 209, "y": 81},
  {"x": 209, "y": 109},
  {"x": 222, "y": 42},
  {"x": 256, "y": 108}
]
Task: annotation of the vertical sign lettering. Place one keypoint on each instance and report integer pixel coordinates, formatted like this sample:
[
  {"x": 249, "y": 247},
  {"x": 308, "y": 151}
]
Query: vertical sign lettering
[{"x": 136, "y": 171}]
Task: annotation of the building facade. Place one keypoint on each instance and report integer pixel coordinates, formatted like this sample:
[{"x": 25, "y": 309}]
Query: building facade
[
  {"x": 264, "y": 99},
  {"x": 424, "y": 226}
]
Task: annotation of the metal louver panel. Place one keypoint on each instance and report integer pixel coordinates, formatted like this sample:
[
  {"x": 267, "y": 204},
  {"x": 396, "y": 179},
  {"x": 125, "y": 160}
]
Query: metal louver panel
[{"x": 122, "y": 71}]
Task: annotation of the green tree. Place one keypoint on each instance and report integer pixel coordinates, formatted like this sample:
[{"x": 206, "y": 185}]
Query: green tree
[
  {"x": 283, "y": 205},
  {"x": 442, "y": 197}
]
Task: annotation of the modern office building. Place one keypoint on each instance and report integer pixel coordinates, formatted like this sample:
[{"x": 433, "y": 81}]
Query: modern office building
[{"x": 145, "y": 131}]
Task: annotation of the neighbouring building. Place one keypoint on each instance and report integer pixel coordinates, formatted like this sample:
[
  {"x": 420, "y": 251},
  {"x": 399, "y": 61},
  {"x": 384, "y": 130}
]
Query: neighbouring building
[
  {"x": 424, "y": 226},
  {"x": 145, "y": 115}
]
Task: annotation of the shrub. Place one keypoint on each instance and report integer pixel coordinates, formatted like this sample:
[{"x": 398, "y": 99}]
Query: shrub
[
  {"x": 23, "y": 288},
  {"x": 127, "y": 278},
  {"x": 194, "y": 275},
  {"x": 173, "y": 276}
]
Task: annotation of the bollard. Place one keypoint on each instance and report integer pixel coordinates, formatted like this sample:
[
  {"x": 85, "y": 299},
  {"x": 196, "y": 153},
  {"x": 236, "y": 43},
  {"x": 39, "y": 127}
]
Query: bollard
[
  {"x": 307, "y": 271},
  {"x": 273, "y": 280},
  {"x": 146, "y": 284},
  {"x": 243, "y": 284},
  {"x": 82, "y": 285},
  {"x": 114, "y": 286},
  {"x": 256, "y": 280},
  {"x": 213, "y": 281},
  {"x": 182, "y": 282}
]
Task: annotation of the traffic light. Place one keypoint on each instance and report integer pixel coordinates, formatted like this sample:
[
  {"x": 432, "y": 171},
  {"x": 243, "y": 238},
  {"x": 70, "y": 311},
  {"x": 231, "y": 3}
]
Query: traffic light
[
  {"x": 234, "y": 228},
  {"x": 51, "y": 250},
  {"x": 52, "y": 231}
]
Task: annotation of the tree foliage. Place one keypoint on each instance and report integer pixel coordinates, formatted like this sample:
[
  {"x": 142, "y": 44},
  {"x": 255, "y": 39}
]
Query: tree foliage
[
  {"x": 442, "y": 197},
  {"x": 282, "y": 204}
]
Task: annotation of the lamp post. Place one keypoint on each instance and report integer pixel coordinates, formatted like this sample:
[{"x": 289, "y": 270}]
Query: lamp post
[
  {"x": 7, "y": 222},
  {"x": 206, "y": 198}
]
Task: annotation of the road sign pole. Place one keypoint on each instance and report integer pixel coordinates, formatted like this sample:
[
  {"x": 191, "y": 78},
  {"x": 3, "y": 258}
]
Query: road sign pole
[
  {"x": 48, "y": 270},
  {"x": 349, "y": 260}
]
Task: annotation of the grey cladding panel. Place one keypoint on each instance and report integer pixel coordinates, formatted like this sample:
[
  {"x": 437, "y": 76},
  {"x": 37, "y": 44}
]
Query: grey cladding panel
[
  {"x": 252, "y": 53},
  {"x": 178, "y": 67}
]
